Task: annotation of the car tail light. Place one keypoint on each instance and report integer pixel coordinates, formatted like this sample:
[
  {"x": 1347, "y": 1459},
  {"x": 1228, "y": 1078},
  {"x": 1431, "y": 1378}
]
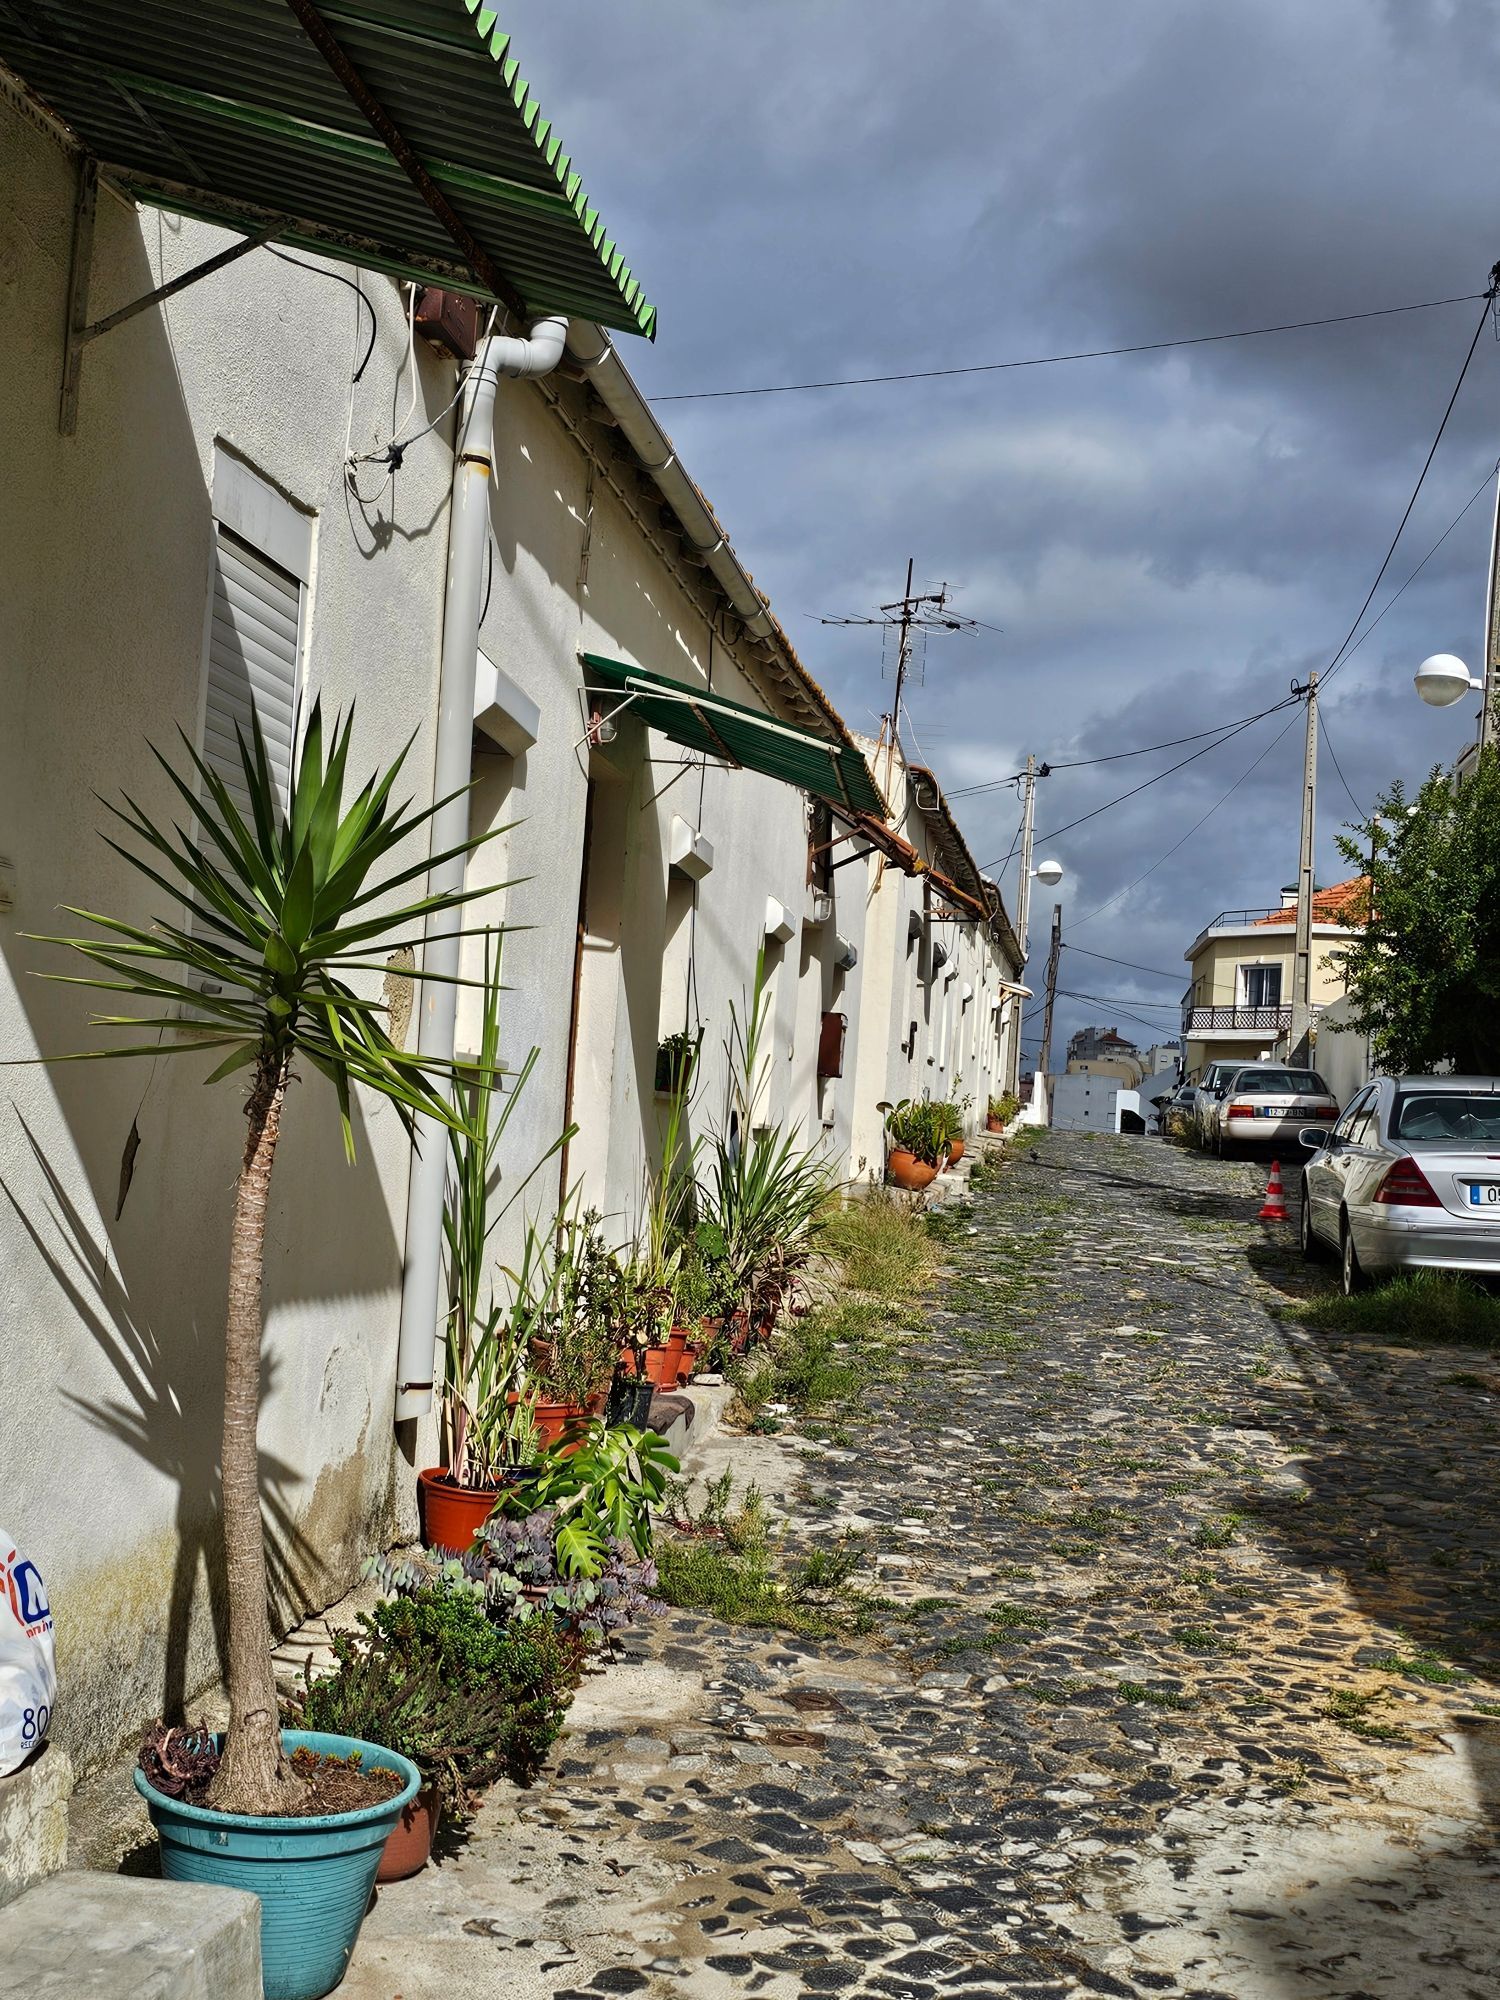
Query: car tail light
[
  {"x": 1240, "y": 1111},
  {"x": 1326, "y": 1111},
  {"x": 1406, "y": 1186}
]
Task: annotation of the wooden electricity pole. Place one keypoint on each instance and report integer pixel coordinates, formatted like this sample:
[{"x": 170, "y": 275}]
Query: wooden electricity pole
[{"x": 1044, "y": 1061}]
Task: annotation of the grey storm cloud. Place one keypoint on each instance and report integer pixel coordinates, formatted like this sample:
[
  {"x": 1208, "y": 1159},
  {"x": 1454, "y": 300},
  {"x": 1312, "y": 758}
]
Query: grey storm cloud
[{"x": 814, "y": 188}]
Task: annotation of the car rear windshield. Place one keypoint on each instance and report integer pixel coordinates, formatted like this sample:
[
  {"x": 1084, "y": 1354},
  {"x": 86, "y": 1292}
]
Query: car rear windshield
[
  {"x": 1279, "y": 1083},
  {"x": 1447, "y": 1117}
]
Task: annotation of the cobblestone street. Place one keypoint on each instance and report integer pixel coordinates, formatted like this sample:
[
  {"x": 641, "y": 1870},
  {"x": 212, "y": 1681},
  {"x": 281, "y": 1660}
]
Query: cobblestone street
[{"x": 1184, "y": 1690}]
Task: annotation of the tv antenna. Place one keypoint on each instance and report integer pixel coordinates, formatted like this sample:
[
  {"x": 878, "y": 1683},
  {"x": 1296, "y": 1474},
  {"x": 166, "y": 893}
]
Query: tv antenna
[{"x": 905, "y": 624}]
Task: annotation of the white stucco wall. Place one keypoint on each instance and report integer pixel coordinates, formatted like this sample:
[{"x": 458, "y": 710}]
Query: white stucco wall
[{"x": 114, "y": 1328}]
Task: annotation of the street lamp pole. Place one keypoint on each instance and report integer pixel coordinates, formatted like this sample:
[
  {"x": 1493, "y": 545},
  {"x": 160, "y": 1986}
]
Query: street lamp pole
[
  {"x": 1491, "y": 635},
  {"x": 1302, "y": 949},
  {"x": 1028, "y": 824}
]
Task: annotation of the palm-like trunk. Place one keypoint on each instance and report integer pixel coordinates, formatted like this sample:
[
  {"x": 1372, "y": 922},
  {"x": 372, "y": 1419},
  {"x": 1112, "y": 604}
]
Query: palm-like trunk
[{"x": 253, "y": 1777}]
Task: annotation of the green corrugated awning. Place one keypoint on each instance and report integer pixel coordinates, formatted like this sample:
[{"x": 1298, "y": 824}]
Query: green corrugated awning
[
  {"x": 397, "y": 134},
  {"x": 711, "y": 723}
]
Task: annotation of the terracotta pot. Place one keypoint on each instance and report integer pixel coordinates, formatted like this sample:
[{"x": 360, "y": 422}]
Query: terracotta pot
[
  {"x": 739, "y": 1332},
  {"x": 907, "y": 1171},
  {"x": 955, "y": 1150},
  {"x": 409, "y": 1842},
  {"x": 451, "y": 1515},
  {"x": 664, "y": 1364},
  {"x": 994, "y": 1125},
  {"x": 692, "y": 1357},
  {"x": 555, "y": 1420}
]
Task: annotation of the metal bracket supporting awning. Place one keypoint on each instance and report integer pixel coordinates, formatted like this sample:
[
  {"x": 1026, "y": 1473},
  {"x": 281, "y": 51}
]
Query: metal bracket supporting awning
[{"x": 80, "y": 330}]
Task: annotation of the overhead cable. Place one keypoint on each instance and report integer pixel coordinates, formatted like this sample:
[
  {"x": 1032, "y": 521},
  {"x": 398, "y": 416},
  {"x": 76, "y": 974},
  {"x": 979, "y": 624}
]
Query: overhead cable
[
  {"x": 1127, "y": 962},
  {"x": 1055, "y": 360},
  {"x": 1346, "y": 647},
  {"x": 1113, "y": 757}
]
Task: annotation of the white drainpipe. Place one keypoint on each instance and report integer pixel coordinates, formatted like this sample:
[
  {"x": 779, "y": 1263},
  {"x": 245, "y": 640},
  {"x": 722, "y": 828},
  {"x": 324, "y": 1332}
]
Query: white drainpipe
[{"x": 468, "y": 528}]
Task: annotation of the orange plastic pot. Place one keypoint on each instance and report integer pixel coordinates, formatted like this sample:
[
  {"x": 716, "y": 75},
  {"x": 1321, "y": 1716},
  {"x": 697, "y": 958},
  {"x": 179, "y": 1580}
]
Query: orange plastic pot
[
  {"x": 663, "y": 1364},
  {"x": 451, "y": 1515},
  {"x": 955, "y": 1150},
  {"x": 409, "y": 1842},
  {"x": 555, "y": 1420},
  {"x": 907, "y": 1171}
]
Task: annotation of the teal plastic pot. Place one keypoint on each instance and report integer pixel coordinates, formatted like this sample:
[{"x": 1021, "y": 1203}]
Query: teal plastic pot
[{"x": 313, "y": 1876}]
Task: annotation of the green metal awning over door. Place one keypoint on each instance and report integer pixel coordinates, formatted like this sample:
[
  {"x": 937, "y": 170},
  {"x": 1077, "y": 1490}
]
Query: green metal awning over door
[
  {"x": 397, "y": 134},
  {"x": 711, "y": 723}
]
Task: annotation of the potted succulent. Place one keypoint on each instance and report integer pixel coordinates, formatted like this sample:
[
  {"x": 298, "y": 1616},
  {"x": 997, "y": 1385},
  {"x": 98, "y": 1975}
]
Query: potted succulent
[
  {"x": 949, "y": 1122},
  {"x": 277, "y": 929},
  {"x": 916, "y": 1143},
  {"x": 465, "y": 1699},
  {"x": 1001, "y": 1110}
]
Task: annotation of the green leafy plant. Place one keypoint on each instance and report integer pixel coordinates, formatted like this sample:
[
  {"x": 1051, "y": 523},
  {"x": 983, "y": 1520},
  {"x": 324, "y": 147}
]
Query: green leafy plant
[
  {"x": 603, "y": 1491},
  {"x": 918, "y": 1126},
  {"x": 1004, "y": 1107},
  {"x": 567, "y": 1304},
  {"x": 676, "y": 1060},
  {"x": 259, "y": 967}
]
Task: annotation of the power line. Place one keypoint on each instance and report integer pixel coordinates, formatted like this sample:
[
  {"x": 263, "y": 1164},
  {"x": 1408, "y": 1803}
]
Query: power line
[
  {"x": 1339, "y": 657},
  {"x": 1221, "y": 800},
  {"x": 1123, "y": 1000},
  {"x": 1114, "y": 757},
  {"x": 1328, "y": 746},
  {"x": 1181, "y": 763},
  {"x": 1411, "y": 578},
  {"x": 1054, "y": 360},
  {"x": 1128, "y": 963},
  {"x": 1123, "y": 1013}
]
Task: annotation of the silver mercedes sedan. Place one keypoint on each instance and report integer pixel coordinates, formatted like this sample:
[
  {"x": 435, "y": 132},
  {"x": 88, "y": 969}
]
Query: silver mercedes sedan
[{"x": 1408, "y": 1179}]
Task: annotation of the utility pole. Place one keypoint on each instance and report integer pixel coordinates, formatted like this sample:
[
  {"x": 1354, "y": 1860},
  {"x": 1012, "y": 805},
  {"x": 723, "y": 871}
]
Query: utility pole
[
  {"x": 1491, "y": 636},
  {"x": 1302, "y": 950},
  {"x": 903, "y": 655},
  {"x": 1044, "y": 1060},
  {"x": 1023, "y": 890}
]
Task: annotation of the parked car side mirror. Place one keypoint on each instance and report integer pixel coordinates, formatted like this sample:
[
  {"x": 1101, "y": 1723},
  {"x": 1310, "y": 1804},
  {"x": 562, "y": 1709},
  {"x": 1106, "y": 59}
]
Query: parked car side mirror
[{"x": 1313, "y": 1139}]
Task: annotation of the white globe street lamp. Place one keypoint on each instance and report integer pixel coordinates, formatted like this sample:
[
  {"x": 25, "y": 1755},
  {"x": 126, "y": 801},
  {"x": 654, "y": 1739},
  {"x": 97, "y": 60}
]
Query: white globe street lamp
[
  {"x": 1443, "y": 679},
  {"x": 1049, "y": 873}
]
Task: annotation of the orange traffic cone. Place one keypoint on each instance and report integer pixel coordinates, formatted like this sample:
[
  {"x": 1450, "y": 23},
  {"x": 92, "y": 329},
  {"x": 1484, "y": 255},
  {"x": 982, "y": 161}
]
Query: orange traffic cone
[{"x": 1275, "y": 1203}]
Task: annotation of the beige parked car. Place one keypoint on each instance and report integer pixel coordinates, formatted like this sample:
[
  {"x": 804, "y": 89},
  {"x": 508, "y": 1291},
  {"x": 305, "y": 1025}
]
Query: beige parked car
[{"x": 1266, "y": 1104}]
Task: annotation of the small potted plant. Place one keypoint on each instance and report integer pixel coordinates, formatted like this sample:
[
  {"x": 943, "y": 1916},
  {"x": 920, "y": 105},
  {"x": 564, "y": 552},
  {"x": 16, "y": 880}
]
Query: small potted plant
[
  {"x": 948, "y": 1124},
  {"x": 464, "y": 1698},
  {"x": 565, "y": 1309},
  {"x": 915, "y": 1146},
  {"x": 1001, "y": 1110},
  {"x": 676, "y": 1059}
]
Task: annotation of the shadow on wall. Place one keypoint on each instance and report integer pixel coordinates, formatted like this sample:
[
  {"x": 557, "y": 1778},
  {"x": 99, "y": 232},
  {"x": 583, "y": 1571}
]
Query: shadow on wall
[{"x": 118, "y": 1497}]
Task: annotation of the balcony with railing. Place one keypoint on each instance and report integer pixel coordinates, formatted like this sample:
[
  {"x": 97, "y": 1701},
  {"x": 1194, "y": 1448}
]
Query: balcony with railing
[{"x": 1200, "y": 1022}]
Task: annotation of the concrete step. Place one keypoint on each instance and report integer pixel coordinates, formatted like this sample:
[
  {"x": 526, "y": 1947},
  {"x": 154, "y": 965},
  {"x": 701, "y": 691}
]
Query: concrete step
[
  {"x": 112, "y": 1937},
  {"x": 34, "y": 1820}
]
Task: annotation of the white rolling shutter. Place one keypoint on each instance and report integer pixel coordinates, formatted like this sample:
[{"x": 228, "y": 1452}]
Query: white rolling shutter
[{"x": 253, "y": 650}]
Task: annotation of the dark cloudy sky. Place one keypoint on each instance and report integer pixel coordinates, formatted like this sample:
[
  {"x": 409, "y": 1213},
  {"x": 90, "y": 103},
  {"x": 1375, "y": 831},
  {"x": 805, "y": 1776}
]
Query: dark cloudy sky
[{"x": 839, "y": 187}]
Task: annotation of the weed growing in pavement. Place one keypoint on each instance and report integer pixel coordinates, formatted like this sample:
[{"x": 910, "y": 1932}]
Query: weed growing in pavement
[
  {"x": 1350, "y": 1709},
  {"x": 1417, "y": 1309},
  {"x": 1425, "y": 1666},
  {"x": 1007, "y": 1618},
  {"x": 1153, "y": 1694},
  {"x": 832, "y": 1355},
  {"x": 1218, "y": 1533},
  {"x": 1202, "y": 1639},
  {"x": 730, "y": 1561}
]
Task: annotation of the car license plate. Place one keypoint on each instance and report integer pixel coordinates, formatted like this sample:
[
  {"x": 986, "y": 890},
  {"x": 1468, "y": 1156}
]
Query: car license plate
[{"x": 1484, "y": 1194}]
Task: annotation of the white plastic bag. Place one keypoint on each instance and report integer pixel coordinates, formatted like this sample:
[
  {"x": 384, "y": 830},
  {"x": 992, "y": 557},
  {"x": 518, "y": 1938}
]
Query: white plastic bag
[{"x": 28, "y": 1670}]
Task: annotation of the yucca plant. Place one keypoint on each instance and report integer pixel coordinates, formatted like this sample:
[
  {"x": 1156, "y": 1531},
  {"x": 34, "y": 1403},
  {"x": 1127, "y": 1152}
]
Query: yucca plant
[
  {"x": 273, "y": 915},
  {"x": 766, "y": 1189}
]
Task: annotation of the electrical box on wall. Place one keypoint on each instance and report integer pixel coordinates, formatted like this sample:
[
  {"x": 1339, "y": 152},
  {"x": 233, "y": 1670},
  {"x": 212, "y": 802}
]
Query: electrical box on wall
[
  {"x": 449, "y": 320},
  {"x": 831, "y": 1045}
]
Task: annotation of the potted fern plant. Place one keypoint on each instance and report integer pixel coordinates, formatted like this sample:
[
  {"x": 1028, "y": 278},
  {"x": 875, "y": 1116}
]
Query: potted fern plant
[{"x": 261, "y": 970}]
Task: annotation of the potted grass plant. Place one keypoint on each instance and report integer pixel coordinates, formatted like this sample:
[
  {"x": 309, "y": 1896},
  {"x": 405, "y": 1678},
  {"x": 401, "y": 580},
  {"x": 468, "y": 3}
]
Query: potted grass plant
[
  {"x": 1000, "y": 1111},
  {"x": 263, "y": 970},
  {"x": 487, "y": 1399},
  {"x": 565, "y": 1310}
]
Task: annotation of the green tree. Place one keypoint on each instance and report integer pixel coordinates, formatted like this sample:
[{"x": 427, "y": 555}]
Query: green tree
[
  {"x": 271, "y": 915},
  {"x": 1424, "y": 975}
]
